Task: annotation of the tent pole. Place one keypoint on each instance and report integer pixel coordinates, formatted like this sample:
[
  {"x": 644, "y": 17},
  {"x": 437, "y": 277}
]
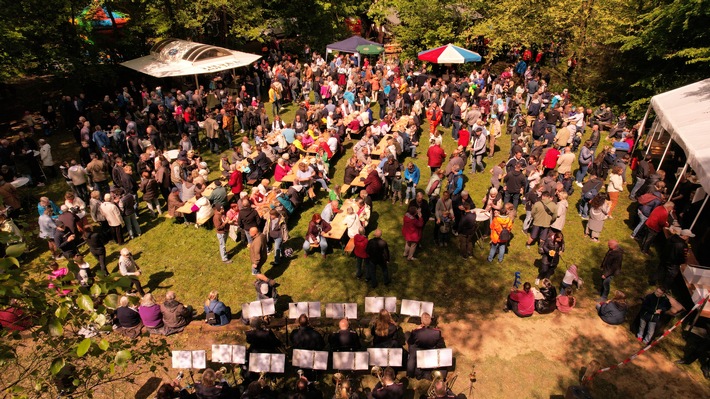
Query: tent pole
[
  {"x": 665, "y": 152},
  {"x": 677, "y": 180},
  {"x": 641, "y": 129},
  {"x": 700, "y": 211},
  {"x": 652, "y": 135},
  {"x": 197, "y": 84}
]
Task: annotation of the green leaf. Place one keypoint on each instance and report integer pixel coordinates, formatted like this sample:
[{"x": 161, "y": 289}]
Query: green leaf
[
  {"x": 103, "y": 345},
  {"x": 76, "y": 382},
  {"x": 95, "y": 290},
  {"x": 111, "y": 301},
  {"x": 100, "y": 319},
  {"x": 85, "y": 302},
  {"x": 61, "y": 312},
  {"x": 122, "y": 357},
  {"x": 57, "y": 366},
  {"x": 83, "y": 347},
  {"x": 55, "y": 328}
]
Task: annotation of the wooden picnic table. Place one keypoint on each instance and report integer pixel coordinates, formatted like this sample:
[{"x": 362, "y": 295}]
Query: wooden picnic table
[
  {"x": 337, "y": 226},
  {"x": 358, "y": 182},
  {"x": 401, "y": 124},
  {"x": 187, "y": 207},
  {"x": 270, "y": 199},
  {"x": 272, "y": 138},
  {"x": 381, "y": 146}
]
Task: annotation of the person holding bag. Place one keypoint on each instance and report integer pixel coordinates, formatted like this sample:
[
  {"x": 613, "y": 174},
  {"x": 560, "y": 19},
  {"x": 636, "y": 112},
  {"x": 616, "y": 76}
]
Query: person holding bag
[
  {"x": 552, "y": 248},
  {"x": 501, "y": 234},
  {"x": 316, "y": 227},
  {"x": 128, "y": 268}
]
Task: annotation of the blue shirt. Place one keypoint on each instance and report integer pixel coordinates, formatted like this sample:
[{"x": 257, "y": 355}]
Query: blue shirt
[
  {"x": 289, "y": 134},
  {"x": 412, "y": 175}
]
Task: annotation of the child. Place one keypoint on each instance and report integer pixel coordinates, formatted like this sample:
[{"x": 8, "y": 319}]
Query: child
[
  {"x": 84, "y": 275},
  {"x": 447, "y": 221},
  {"x": 397, "y": 188}
]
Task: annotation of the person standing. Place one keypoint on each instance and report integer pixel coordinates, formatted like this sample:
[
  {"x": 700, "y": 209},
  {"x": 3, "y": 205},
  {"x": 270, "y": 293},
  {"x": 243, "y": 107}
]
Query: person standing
[
  {"x": 466, "y": 229},
  {"x": 115, "y": 221},
  {"x": 552, "y": 248},
  {"x": 586, "y": 156},
  {"x": 411, "y": 178},
  {"x": 675, "y": 255},
  {"x": 656, "y": 222},
  {"x": 128, "y": 268},
  {"x": 220, "y": 227},
  {"x": 643, "y": 171},
  {"x": 435, "y": 157},
  {"x": 514, "y": 183},
  {"x": 412, "y": 227},
  {"x": 615, "y": 186},
  {"x": 653, "y": 305},
  {"x": 501, "y": 233},
  {"x": 610, "y": 267},
  {"x": 544, "y": 213},
  {"x": 276, "y": 230},
  {"x": 379, "y": 255},
  {"x": 257, "y": 252}
]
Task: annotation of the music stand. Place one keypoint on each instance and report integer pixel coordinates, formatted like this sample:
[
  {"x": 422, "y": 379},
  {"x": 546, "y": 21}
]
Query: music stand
[
  {"x": 314, "y": 360},
  {"x": 416, "y": 308},
  {"x": 434, "y": 358},
  {"x": 351, "y": 360},
  {"x": 341, "y": 310},
  {"x": 267, "y": 362},
  {"x": 235, "y": 354},
  {"x": 385, "y": 357},
  {"x": 373, "y": 304},
  {"x": 310, "y": 309},
  {"x": 264, "y": 307}
]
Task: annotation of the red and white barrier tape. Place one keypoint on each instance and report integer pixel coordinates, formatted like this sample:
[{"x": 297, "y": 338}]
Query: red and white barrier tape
[{"x": 654, "y": 342}]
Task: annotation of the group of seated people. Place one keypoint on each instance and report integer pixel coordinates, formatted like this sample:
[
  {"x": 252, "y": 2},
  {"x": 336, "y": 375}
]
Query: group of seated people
[{"x": 543, "y": 300}]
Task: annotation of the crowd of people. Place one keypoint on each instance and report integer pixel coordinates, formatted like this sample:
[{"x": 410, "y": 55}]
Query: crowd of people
[{"x": 150, "y": 142}]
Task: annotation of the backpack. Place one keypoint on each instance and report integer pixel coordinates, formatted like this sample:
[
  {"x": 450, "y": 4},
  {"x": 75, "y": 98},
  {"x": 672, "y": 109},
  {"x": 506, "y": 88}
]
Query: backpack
[
  {"x": 646, "y": 198},
  {"x": 211, "y": 317},
  {"x": 589, "y": 195},
  {"x": 505, "y": 236}
]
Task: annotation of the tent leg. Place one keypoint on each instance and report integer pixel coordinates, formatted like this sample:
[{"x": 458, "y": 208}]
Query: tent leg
[
  {"x": 700, "y": 211},
  {"x": 664, "y": 153},
  {"x": 651, "y": 136},
  {"x": 641, "y": 129},
  {"x": 197, "y": 84},
  {"x": 677, "y": 180}
]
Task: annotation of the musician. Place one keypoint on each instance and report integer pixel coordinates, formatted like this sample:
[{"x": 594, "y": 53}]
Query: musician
[
  {"x": 441, "y": 391},
  {"x": 306, "y": 337},
  {"x": 388, "y": 388},
  {"x": 423, "y": 337},
  {"x": 258, "y": 390},
  {"x": 345, "y": 340},
  {"x": 262, "y": 339},
  {"x": 344, "y": 391},
  {"x": 384, "y": 331},
  {"x": 306, "y": 390}
]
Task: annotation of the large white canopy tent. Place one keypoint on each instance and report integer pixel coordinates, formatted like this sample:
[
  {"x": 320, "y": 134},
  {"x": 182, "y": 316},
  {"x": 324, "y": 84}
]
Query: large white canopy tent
[
  {"x": 684, "y": 113},
  {"x": 175, "y": 57}
]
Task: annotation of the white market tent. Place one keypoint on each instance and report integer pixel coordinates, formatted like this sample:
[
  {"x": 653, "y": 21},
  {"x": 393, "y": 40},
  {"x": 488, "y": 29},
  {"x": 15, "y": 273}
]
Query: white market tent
[
  {"x": 175, "y": 57},
  {"x": 685, "y": 114}
]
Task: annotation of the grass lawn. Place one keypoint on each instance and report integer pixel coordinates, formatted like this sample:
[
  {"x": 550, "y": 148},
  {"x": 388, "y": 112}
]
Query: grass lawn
[{"x": 536, "y": 357}]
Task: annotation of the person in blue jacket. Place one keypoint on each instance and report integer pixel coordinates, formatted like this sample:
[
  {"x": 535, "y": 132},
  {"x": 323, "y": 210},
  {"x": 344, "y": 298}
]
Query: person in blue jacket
[
  {"x": 411, "y": 179},
  {"x": 221, "y": 311}
]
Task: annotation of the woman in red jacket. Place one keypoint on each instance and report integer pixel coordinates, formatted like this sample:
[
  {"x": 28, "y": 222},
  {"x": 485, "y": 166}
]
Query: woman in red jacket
[
  {"x": 412, "y": 227},
  {"x": 436, "y": 157},
  {"x": 236, "y": 181},
  {"x": 361, "y": 253},
  {"x": 522, "y": 303}
]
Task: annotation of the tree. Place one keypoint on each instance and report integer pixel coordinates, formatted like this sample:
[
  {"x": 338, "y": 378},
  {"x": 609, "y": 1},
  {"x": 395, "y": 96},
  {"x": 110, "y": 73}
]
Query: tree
[{"x": 56, "y": 354}]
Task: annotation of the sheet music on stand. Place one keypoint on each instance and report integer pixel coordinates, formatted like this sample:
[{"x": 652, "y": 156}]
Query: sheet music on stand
[
  {"x": 264, "y": 307},
  {"x": 384, "y": 357},
  {"x": 351, "y": 360},
  {"x": 189, "y": 359},
  {"x": 267, "y": 362},
  {"x": 416, "y": 308},
  {"x": 316, "y": 360},
  {"x": 229, "y": 354},
  {"x": 435, "y": 358},
  {"x": 310, "y": 309},
  {"x": 373, "y": 304},
  {"x": 341, "y": 310}
]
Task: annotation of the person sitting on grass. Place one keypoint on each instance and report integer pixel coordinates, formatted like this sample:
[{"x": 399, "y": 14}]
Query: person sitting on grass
[
  {"x": 565, "y": 302},
  {"x": 216, "y": 312},
  {"x": 547, "y": 303},
  {"x": 175, "y": 315},
  {"x": 522, "y": 303},
  {"x": 613, "y": 311},
  {"x": 150, "y": 314},
  {"x": 127, "y": 319}
]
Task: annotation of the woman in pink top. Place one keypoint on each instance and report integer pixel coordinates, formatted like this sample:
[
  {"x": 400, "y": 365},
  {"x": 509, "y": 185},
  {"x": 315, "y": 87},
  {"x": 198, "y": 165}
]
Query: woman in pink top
[
  {"x": 57, "y": 273},
  {"x": 522, "y": 303}
]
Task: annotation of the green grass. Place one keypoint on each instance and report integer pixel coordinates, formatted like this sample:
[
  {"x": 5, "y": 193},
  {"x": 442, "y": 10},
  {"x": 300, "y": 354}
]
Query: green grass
[{"x": 186, "y": 260}]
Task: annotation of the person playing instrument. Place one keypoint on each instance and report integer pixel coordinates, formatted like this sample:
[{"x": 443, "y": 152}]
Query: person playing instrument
[
  {"x": 306, "y": 337},
  {"x": 423, "y": 337},
  {"x": 384, "y": 331},
  {"x": 387, "y": 388},
  {"x": 345, "y": 340},
  {"x": 262, "y": 339},
  {"x": 306, "y": 390},
  {"x": 441, "y": 391}
]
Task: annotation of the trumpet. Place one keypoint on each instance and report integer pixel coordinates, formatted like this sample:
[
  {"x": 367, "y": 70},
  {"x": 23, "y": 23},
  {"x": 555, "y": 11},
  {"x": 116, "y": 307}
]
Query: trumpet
[
  {"x": 436, "y": 377},
  {"x": 337, "y": 379},
  {"x": 377, "y": 372}
]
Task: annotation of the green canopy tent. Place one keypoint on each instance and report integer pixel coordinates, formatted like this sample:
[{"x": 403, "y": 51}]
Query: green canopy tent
[{"x": 370, "y": 49}]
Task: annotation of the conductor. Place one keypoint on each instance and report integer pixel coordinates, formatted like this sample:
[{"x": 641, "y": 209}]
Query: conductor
[{"x": 423, "y": 337}]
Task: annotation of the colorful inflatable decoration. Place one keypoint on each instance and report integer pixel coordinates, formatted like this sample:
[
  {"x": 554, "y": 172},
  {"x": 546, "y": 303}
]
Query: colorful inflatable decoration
[{"x": 96, "y": 18}]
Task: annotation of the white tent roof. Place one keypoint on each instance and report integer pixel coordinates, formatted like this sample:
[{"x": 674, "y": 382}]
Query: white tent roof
[
  {"x": 685, "y": 114},
  {"x": 175, "y": 57}
]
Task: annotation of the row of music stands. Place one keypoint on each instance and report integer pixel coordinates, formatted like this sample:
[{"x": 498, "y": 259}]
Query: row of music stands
[
  {"x": 308, "y": 359},
  {"x": 266, "y": 307}
]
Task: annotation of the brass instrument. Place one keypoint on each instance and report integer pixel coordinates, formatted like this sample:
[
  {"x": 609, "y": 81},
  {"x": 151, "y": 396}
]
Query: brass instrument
[
  {"x": 437, "y": 376},
  {"x": 377, "y": 372},
  {"x": 338, "y": 380}
]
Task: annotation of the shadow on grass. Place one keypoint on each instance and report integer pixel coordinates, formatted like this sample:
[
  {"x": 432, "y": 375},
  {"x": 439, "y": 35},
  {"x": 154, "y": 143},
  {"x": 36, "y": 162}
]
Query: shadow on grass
[
  {"x": 155, "y": 279},
  {"x": 146, "y": 391}
]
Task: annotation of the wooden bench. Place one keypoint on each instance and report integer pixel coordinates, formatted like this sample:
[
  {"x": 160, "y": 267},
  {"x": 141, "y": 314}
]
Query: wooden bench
[
  {"x": 344, "y": 188},
  {"x": 206, "y": 219}
]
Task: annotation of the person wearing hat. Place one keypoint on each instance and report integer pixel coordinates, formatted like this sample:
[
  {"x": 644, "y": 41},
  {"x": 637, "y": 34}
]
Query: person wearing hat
[{"x": 676, "y": 254}]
